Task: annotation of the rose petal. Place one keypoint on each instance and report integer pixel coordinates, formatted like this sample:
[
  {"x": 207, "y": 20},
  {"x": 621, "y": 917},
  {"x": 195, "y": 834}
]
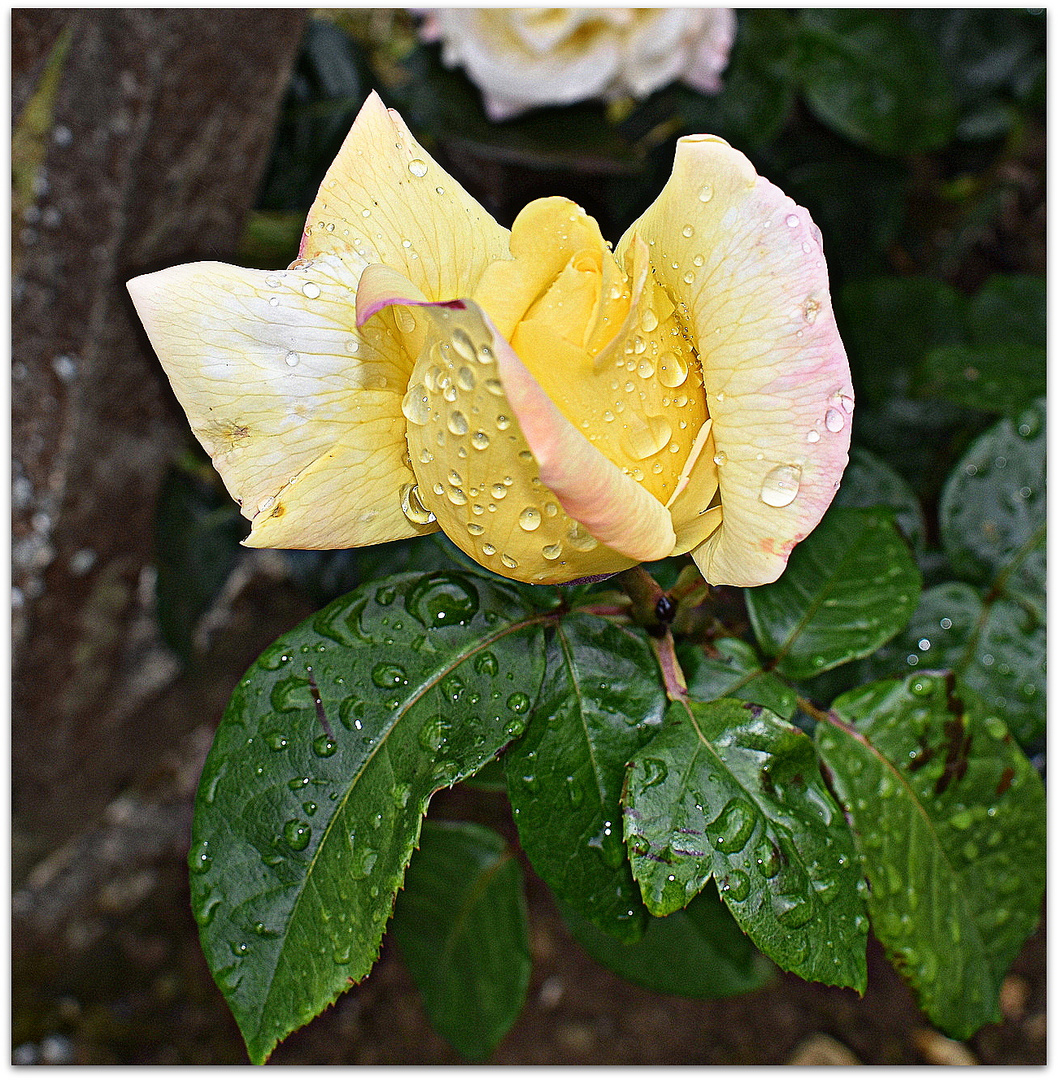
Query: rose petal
[
  {"x": 386, "y": 200},
  {"x": 509, "y": 479},
  {"x": 299, "y": 410},
  {"x": 747, "y": 263}
]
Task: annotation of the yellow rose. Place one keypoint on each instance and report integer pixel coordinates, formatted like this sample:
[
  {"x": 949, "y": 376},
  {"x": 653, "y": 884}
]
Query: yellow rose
[
  {"x": 558, "y": 409},
  {"x": 521, "y": 58}
]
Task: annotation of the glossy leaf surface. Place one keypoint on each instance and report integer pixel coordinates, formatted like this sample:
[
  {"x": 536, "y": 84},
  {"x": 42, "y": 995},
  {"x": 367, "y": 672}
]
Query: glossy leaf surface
[
  {"x": 462, "y": 927},
  {"x": 600, "y": 701},
  {"x": 949, "y": 820},
  {"x": 849, "y": 587},
  {"x": 727, "y": 791},
  {"x": 311, "y": 799}
]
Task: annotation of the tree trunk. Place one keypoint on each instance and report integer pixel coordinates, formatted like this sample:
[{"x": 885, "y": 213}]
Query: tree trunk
[{"x": 139, "y": 140}]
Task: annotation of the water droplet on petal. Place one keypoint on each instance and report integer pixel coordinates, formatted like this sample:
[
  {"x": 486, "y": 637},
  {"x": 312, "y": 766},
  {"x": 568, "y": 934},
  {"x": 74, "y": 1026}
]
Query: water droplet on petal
[
  {"x": 509, "y": 561},
  {"x": 529, "y": 519},
  {"x": 417, "y": 167},
  {"x": 793, "y": 221},
  {"x": 551, "y": 551},
  {"x": 834, "y": 420},
  {"x": 649, "y": 320},
  {"x": 479, "y": 440},
  {"x": 780, "y": 486},
  {"x": 412, "y": 506},
  {"x": 311, "y": 289},
  {"x": 292, "y": 359},
  {"x": 705, "y": 193},
  {"x": 457, "y": 423},
  {"x": 813, "y": 436},
  {"x": 415, "y": 404}
]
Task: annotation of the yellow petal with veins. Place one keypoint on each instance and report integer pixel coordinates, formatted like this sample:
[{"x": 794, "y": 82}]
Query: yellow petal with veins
[
  {"x": 510, "y": 481},
  {"x": 744, "y": 267},
  {"x": 385, "y": 200},
  {"x": 299, "y": 410}
]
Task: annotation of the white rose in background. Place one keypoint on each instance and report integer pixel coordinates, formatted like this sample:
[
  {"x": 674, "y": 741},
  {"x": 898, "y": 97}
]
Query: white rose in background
[{"x": 522, "y": 58}]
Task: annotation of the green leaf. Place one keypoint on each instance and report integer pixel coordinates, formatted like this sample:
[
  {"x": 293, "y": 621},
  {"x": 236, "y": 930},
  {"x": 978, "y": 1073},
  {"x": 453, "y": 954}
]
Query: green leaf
[
  {"x": 874, "y": 80},
  {"x": 1000, "y": 377},
  {"x": 601, "y": 700},
  {"x": 735, "y": 671},
  {"x": 462, "y": 926},
  {"x": 196, "y": 537},
  {"x": 949, "y": 818},
  {"x": 698, "y": 952},
  {"x": 889, "y": 324},
  {"x": 994, "y": 646},
  {"x": 311, "y": 798},
  {"x": 869, "y": 482},
  {"x": 728, "y": 791},
  {"x": 848, "y": 588},
  {"x": 993, "y": 507},
  {"x": 1010, "y": 308}
]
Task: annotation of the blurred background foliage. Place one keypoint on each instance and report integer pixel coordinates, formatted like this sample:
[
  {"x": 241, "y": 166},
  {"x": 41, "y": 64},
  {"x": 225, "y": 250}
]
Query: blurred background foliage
[{"x": 915, "y": 138}]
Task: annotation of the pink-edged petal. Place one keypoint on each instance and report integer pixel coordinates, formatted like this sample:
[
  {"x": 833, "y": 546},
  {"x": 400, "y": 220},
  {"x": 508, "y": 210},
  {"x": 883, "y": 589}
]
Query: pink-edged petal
[
  {"x": 536, "y": 503},
  {"x": 748, "y": 264},
  {"x": 594, "y": 491},
  {"x": 299, "y": 410},
  {"x": 385, "y": 200}
]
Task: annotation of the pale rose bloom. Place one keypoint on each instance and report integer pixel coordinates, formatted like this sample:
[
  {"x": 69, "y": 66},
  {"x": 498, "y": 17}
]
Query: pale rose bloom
[
  {"x": 521, "y": 58},
  {"x": 559, "y": 409}
]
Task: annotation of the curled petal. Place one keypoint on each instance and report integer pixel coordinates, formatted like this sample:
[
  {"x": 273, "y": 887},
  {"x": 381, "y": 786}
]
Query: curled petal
[
  {"x": 385, "y": 200},
  {"x": 509, "y": 479},
  {"x": 299, "y": 410},
  {"x": 746, "y": 264}
]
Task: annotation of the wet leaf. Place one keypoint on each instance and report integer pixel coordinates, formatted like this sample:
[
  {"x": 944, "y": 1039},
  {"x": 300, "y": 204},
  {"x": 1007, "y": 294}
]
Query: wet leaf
[
  {"x": 462, "y": 927},
  {"x": 995, "y": 646},
  {"x": 993, "y": 508},
  {"x": 848, "y": 588},
  {"x": 311, "y": 799},
  {"x": 727, "y": 791},
  {"x": 869, "y": 482},
  {"x": 735, "y": 671},
  {"x": 875, "y": 80},
  {"x": 949, "y": 819},
  {"x": 1002, "y": 377},
  {"x": 698, "y": 952},
  {"x": 600, "y": 701}
]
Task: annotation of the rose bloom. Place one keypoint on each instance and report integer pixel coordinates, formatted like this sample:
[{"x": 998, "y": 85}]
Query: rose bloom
[
  {"x": 559, "y": 409},
  {"x": 521, "y": 58}
]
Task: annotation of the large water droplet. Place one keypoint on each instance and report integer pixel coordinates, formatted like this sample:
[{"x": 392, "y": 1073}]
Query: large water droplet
[
  {"x": 780, "y": 486},
  {"x": 199, "y": 858},
  {"x": 648, "y": 437},
  {"x": 518, "y": 702},
  {"x": 735, "y": 886},
  {"x": 443, "y": 600},
  {"x": 324, "y": 746},
  {"x": 292, "y": 359},
  {"x": 672, "y": 369},
  {"x": 416, "y": 404},
  {"x": 462, "y": 345},
  {"x": 433, "y": 733},
  {"x": 529, "y": 519},
  {"x": 479, "y": 440},
  {"x": 731, "y": 829},
  {"x": 311, "y": 289},
  {"x": 457, "y": 423},
  {"x": 705, "y": 193},
  {"x": 654, "y": 771},
  {"x": 768, "y": 859},
  {"x": 648, "y": 320},
  {"x": 417, "y": 167},
  {"x": 412, "y": 506},
  {"x": 297, "y": 834},
  {"x": 387, "y": 676},
  {"x": 792, "y": 911},
  {"x": 834, "y": 420}
]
